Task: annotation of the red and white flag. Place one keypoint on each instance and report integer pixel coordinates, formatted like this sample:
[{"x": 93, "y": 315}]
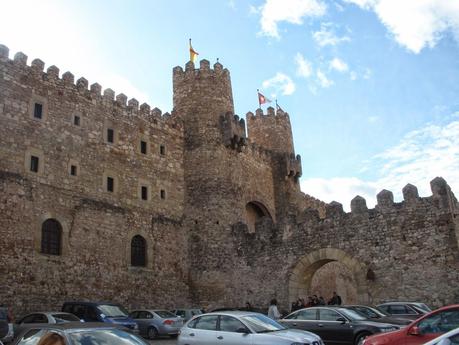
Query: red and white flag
[{"x": 262, "y": 99}]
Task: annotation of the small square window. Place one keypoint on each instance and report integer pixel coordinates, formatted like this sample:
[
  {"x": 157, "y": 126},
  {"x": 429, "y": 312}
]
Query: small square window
[
  {"x": 38, "y": 111},
  {"x": 110, "y": 135},
  {"x": 34, "y": 162},
  {"x": 76, "y": 120},
  {"x": 162, "y": 150},
  {"x": 73, "y": 170},
  {"x": 110, "y": 184},
  {"x": 143, "y": 147},
  {"x": 144, "y": 193},
  {"x": 163, "y": 194}
]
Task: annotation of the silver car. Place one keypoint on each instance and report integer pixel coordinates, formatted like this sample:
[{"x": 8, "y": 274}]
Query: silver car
[
  {"x": 153, "y": 323},
  {"x": 450, "y": 338},
  {"x": 56, "y": 317},
  {"x": 241, "y": 328},
  {"x": 187, "y": 314}
]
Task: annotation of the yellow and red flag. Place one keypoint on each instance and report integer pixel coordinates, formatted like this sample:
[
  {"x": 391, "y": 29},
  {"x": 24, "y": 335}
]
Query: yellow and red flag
[{"x": 193, "y": 53}]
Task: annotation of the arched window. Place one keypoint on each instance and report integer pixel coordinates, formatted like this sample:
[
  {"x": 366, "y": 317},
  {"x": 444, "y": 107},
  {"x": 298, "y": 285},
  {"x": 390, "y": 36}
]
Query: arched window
[
  {"x": 138, "y": 251},
  {"x": 51, "y": 237},
  {"x": 253, "y": 212}
]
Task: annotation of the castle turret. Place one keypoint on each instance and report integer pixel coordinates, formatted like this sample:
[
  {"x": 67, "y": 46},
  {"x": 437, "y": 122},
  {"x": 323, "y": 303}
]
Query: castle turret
[
  {"x": 200, "y": 97},
  {"x": 271, "y": 131}
]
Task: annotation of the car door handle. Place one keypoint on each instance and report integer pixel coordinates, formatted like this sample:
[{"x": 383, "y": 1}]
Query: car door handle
[
  {"x": 320, "y": 325},
  {"x": 220, "y": 337},
  {"x": 191, "y": 334}
]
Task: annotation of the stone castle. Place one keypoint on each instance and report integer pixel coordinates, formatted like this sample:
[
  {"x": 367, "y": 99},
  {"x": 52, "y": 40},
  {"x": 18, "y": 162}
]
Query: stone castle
[{"x": 105, "y": 199}]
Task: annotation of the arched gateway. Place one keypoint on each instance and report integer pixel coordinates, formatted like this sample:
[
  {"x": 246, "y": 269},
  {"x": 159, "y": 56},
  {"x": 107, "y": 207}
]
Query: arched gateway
[{"x": 302, "y": 272}]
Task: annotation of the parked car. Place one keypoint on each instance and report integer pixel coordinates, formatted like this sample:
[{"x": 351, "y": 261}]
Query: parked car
[
  {"x": 241, "y": 327},
  {"x": 377, "y": 315},
  {"x": 449, "y": 338},
  {"x": 336, "y": 325},
  {"x": 101, "y": 312},
  {"x": 6, "y": 325},
  {"x": 187, "y": 314},
  {"x": 44, "y": 318},
  {"x": 77, "y": 333},
  {"x": 153, "y": 323},
  {"x": 406, "y": 310},
  {"x": 421, "y": 331}
]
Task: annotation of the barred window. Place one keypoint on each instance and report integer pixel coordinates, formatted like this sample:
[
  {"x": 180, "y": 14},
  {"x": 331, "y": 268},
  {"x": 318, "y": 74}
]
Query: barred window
[
  {"x": 138, "y": 251},
  {"x": 51, "y": 235}
]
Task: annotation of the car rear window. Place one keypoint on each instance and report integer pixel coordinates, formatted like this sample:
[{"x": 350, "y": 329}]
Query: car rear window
[{"x": 164, "y": 314}]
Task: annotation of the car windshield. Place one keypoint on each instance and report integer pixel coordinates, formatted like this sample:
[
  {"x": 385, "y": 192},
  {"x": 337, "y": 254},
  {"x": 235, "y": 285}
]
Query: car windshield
[
  {"x": 261, "y": 323},
  {"x": 368, "y": 312},
  {"x": 112, "y": 310},
  {"x": 350, "y": 314},
  {"x": 61, "y": 318},
  {"x": 164, "y": 314},
  {"x": 104, "y": 337}
]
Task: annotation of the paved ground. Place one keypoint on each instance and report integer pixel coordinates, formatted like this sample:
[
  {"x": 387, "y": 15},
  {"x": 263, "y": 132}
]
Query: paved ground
[{"x": 163, "y": 341}]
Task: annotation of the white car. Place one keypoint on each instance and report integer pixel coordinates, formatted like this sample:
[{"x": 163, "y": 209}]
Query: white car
[
  {"x": 449, "y": 338},
  {"x": 241, "y": 328}
]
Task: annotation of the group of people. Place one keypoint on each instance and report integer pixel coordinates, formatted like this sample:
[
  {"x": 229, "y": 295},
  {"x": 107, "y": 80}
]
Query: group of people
[{"x": 315, "y": 301}]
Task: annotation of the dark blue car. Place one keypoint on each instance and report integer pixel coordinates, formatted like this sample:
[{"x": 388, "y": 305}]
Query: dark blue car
[{"x": 101, "y": 312}]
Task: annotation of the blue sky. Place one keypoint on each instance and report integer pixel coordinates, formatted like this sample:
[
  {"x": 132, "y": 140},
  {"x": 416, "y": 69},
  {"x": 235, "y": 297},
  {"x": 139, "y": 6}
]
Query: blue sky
[{"x": 371, "y": 86}]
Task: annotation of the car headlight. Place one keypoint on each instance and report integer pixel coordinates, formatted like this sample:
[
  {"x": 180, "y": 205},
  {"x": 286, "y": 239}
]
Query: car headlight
[{"x": 389, "y": 329}]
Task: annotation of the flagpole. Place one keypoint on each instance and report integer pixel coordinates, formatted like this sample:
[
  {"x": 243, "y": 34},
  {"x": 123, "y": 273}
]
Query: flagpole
[{"x": 258, "y": 96}]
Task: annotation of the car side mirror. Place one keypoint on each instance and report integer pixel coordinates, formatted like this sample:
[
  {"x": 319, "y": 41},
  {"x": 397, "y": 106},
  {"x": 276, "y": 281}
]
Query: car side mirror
[
  {"x": 341, "y": 319},
  {"x": 242, "y": 330},
  {"x": 414, "y": 331}
]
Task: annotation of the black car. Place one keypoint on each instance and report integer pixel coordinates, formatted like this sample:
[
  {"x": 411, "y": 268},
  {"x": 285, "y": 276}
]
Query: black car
[
  {"x": 377, "y": 315},
  {"x": 335, "y": 325},
  {"x": 77, "y": 333}
]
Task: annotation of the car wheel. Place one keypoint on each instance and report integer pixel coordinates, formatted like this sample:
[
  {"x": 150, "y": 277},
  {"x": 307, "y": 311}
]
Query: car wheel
[
  {"x": 360, "y": 338},
  {"x": 152, "y": 333}
]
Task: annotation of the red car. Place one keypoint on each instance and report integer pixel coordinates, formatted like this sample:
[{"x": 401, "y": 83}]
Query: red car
[{"x": 427, "y": 327}]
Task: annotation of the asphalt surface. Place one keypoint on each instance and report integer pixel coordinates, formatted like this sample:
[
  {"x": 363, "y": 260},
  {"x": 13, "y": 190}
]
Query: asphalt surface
[{"x": 163, "y": 341}]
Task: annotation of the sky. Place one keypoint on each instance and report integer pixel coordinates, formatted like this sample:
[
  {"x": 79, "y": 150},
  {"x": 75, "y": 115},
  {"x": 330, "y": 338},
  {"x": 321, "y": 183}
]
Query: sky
[{"x": 371, "y": 86}]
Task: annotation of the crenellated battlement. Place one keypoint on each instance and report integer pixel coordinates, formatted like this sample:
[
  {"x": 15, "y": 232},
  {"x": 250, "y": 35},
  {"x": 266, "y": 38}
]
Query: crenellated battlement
[
  {"x": 442, "y": 198},
  {"x": 204, "y": 70},
  {"x": 66, "y": 84},
  {"x": 271, "y": 130}
]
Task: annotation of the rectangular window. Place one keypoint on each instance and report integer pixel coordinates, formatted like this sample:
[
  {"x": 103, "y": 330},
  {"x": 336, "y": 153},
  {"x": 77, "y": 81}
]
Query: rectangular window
[
  {"x": 34, "y": 161},
  {"x": 73, "y": 170},
  {"x": 38, "y": 111},
  {"x": 110, "y": 135},
  {"x": 163, "y": 194},
  {"x": 162, "y": 150},
  {"x": 144, "y": 193},
  {"x": 110, "y": 184},
  {"x": 76, "y": 120},
  {"x": 143, "y": 147}
]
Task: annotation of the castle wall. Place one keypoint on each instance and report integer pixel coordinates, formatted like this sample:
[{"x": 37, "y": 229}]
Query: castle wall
[{"x": 97, "y": 225}]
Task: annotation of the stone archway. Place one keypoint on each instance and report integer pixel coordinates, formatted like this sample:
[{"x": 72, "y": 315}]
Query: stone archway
[{"x": 302, "y": 272}]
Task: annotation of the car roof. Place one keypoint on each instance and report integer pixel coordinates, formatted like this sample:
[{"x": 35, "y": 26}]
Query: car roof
[
  {"x": 238, "y": 313},
  {"x": 73, "y": 325},
  {"x": 401, "y": 302}
]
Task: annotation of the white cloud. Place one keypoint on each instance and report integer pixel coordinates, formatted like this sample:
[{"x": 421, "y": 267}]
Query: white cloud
[
  {"x": 280, "y": 83},
  {"x": 416, "y": 24},
  {"x": 418, "y": 158},
  {"x": 323, "y": 80},
  {"x": 327, "y": 36},
  {"x": 303, "y": 66},
  {"x": 71, "y": 47},
  {"x": 290, "y": 11},
  {"x": 339, "y": 65}
]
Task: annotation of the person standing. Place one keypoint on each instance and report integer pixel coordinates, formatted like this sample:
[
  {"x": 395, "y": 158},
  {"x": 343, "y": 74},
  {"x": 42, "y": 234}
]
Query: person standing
[{"x": 273, "y": 312}]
